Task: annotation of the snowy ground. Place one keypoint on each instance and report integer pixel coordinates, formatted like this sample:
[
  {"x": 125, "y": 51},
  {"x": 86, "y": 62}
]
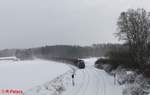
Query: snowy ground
[
  {"x": 88, "y": 81},
  {"x": 92, "y": 81},
  {"x": 12, "y": 58},
  {"x": 40, "y": 77},
  {"x": 27, "y": 74}
]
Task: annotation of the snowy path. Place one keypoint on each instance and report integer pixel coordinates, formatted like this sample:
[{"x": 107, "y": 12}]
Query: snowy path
[{"x": 92, "y": 81}]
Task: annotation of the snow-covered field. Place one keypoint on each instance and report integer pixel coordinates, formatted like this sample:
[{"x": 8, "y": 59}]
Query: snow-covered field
[
  {"x": 40, "y": 77},
  {"x": 88, "y": 81},
  {"x": 12, "y": 58},
  {"x": 27, "y": 74}
]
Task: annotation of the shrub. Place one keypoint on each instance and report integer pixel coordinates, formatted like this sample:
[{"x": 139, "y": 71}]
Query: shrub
[
  {"x": 133, "y": 90},
  {"x": 121, "y": 57}
]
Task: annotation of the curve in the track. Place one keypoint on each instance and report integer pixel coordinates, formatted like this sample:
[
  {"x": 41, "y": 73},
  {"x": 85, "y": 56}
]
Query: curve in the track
[{"x": 94, "y": 82}]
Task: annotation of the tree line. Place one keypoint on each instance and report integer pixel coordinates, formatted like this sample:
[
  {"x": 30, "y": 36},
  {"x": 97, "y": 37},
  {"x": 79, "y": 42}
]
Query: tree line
[{"x": 65, "y": 51}]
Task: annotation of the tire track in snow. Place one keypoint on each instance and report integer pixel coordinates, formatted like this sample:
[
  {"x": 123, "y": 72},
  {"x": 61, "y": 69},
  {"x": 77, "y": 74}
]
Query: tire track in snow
[
  {"x": 85, "y": 86},
  {"x": 103, "y": 81},
  {"x": 89, "y": 82},
  {"x": 99, "y": 81},
  {"x": 80, "y": 85},
  {"x": 88, "y": 74},
  {"x": 93, "y": 84}
]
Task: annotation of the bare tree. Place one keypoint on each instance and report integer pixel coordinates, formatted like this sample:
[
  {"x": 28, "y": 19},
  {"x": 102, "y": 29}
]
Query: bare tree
[{"x": 134, "y": 28}]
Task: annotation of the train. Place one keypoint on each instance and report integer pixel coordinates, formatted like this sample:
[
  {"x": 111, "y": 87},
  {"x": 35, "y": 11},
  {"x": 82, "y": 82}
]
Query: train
[{"x": 80, "y": 64}]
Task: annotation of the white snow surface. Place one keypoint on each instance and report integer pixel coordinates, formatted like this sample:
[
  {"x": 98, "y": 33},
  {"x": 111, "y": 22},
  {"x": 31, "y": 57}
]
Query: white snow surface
[
  {"x": 12, "y": 58},
  {"x": 90, "y": 61},
  {"x": 88, "y": 81},
  {"x": 41, "y": 77},
  {"x": 27, "y": 74},
  {"x": 92, "y": 81}
]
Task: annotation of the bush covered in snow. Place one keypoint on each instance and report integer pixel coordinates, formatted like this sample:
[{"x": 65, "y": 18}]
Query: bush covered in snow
[
  {"x": 133, "y": 89},
  {"x": 54, "y": 87},
  {"x": 125, "y": 76},
  {"x": 134, "y": 83},
  {"x": 130, "y": 77},
  {"x": 142, "y": 82},
  {"x": 105, "y": 64}
]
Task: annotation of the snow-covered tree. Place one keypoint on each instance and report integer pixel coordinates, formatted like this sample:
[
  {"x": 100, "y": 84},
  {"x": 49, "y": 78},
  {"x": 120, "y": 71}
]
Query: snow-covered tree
[{"x": 134, "y": 28}]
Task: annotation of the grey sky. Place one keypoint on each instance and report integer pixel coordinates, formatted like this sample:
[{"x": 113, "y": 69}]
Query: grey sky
[{"x": 32, "y": 23}]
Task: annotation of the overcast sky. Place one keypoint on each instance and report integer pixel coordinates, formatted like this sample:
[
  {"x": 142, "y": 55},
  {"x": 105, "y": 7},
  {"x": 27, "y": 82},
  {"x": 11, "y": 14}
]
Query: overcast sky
[{"x": 33, "y": 23}]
